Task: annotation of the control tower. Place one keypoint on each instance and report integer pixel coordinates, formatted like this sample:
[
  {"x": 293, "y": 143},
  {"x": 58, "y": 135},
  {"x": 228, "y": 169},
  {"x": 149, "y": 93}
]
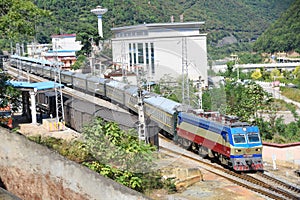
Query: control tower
[{"x": 99, "y": 11}]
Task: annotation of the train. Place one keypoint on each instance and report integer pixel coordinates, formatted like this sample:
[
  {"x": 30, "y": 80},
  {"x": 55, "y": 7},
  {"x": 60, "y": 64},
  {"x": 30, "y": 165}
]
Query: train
[{"x": 235, "y": 144}]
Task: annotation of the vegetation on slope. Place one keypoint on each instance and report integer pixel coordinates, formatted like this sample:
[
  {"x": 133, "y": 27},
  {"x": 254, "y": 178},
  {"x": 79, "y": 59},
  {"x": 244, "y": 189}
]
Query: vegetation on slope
[
  {"x": 112, "y": 153},
  {"x": 284, "y": 34},
  {"x": 231, "y": 25}
]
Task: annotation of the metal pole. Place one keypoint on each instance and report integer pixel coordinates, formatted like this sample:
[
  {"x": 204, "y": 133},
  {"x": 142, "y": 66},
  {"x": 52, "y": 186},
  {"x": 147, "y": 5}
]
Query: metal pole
[{"x": 142, "y": 125}]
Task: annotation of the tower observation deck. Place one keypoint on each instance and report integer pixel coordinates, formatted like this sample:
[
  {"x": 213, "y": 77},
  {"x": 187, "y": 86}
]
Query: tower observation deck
[{"x": 99, "y": 11}]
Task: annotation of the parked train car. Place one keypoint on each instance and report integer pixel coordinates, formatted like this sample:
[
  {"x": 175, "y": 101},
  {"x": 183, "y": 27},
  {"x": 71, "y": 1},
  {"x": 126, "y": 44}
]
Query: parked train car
[
  {"x": 162, "y": 111},
  {"x": 80, "y": 82},
  {"x": 115, "y": 91},
  {"x": 237, "y": 145},
  {"x": 67, "y": 78}
]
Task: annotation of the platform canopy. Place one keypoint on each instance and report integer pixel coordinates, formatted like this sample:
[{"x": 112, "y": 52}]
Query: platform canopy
[{"x": 38, "y": 86}]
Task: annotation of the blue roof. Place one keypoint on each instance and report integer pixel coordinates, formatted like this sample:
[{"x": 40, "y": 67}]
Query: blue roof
[{"x": 39, "y": 86}]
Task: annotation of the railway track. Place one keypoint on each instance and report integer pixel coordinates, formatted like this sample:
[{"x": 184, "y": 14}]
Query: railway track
[
  {"x": 273, "y": 188},
  {"x": 266, "y": 188}
]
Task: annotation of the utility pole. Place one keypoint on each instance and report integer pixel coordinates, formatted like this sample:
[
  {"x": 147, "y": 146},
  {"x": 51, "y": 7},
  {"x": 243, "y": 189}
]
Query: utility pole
[
  {"x": 142, "y": 125},
  {"x": 201, "y": 81},
  {"x": 235, "y": 58},
  {"x": 185, "y": 74},
  {"x": 19, "y": 63},
  {"x": 92, "y": 59},
  {"x": 60, "y": 116},
  {"x": 123, "y": 58}
]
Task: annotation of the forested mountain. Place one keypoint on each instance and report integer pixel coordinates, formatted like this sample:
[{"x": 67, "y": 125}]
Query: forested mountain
[
  {"x": 284, "y": 34},
  {"x": 232, "y": 25}
]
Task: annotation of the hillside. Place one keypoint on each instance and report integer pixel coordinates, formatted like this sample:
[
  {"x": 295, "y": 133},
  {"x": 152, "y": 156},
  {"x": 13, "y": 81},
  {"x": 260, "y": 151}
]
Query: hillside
[
  {"x": 284, "y": 34},
  {"x": 238, "y": 21}
]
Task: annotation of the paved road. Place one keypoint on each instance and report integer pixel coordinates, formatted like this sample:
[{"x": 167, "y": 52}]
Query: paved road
[
  {"x": 267, "y": 86},
  {"x": 287, "y": 116}
]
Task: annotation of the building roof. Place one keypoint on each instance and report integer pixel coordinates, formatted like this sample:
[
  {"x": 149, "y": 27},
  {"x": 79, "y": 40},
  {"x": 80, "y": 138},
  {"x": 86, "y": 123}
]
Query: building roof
[
  {"x": 63, "y": 35},
  {"x": 38, "y": 86},
  {"x": 160, "y": 25}
]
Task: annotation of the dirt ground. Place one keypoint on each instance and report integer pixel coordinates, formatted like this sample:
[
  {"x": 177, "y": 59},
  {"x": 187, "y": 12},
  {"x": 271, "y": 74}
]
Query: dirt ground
[
  {"x": 215, "y": 187},
  {"x": 211, "y": 188}
]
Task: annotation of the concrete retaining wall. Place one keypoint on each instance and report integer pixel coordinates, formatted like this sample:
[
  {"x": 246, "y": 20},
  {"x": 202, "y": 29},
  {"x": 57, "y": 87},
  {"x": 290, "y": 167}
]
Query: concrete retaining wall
[
  {"x": 290, "y": 154},
  {"x": 32, "y": 171}
]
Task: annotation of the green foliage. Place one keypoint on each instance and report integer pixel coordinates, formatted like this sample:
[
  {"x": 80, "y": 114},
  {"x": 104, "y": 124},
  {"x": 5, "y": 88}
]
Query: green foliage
[
  {"x": 8, "y": 94},
  {"x": 283, "y": 35},
  {"x": 291, "y": 93},
  {"x": 73, "y": 150},
  {"x": 296, "y": 72},
  {"x": 244, "y": 100},
  {"x": 115, "y": 147},
  {"x": 245, "y": 58},
  {"x": 275, "y": 74},
  {"x": 81, "y": 60},
  {"x": 243, "y": 20},
  {"x": 18, "y": 19},
  {"x": 214, "y": 99}
]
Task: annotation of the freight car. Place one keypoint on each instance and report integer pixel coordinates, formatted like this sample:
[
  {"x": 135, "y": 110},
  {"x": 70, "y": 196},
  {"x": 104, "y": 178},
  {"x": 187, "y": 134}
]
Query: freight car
[{"x": 235, "y": 144}]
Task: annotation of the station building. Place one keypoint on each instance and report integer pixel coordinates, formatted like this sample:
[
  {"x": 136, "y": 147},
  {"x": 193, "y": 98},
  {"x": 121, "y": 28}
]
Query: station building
[{"x": 161, "y": 49}]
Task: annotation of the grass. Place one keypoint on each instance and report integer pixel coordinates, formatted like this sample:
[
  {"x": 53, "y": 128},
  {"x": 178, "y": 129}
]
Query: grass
[{"x": 291, "y": 93}]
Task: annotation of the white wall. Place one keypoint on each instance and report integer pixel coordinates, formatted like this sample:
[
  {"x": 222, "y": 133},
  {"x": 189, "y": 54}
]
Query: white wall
[{"x": 168, "y": 55}]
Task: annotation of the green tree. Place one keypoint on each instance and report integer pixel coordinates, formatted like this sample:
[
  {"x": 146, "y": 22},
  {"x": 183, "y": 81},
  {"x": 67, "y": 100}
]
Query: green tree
[
  {"x": 244, "y": 100},
  {"x": 8, "y": 94},
  {"x": 114, "y": 147},
  {"x": 275, "y": 74},
  {"x": 81, "y": 60},
  {"x": 18, "y": 18},
  {"x": 296, "y": 72}
]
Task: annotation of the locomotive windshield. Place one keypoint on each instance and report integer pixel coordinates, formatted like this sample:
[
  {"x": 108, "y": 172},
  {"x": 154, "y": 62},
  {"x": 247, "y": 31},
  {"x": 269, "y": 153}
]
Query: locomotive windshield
[
  {"x": 253, "y": 137},
  {"x": 239, "y": 138}
]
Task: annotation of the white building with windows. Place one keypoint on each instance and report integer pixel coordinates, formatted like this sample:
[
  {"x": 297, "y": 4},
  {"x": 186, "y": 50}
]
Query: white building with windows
[
  {"x": 64, "y": 49},
  {"x": 162, "y": 48}
]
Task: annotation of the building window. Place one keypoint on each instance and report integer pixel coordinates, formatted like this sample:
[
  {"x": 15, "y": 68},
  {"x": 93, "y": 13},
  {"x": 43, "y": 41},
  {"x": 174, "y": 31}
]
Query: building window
[
  {"x": 134, "y": 54},
  {"x": 152, "y": 58},
  {"x": 140, "y": 53},
  {"x": 130, "y": 55},
  {"x": 147, "y": 54}
]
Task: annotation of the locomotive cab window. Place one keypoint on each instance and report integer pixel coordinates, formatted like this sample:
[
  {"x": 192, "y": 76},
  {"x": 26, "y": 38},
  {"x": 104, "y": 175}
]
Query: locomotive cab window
[
  {"x": 253, "y": 137},
  {"x": 239, "y": 138}
]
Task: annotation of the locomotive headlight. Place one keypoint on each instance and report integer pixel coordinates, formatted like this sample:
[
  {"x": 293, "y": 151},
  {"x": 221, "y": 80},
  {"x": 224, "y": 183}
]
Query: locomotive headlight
[
  {"x": 258, "y": 149},
  {"x": 238, "y": 150}
]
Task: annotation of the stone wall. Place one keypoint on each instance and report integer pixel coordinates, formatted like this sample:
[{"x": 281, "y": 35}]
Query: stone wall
[{"x": 32, "y": 171}]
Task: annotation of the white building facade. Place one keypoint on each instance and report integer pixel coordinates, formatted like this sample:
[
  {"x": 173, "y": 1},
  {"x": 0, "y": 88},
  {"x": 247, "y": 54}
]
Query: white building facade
[
  {"x": 162, "y": 49},
  {"x": 64, "y": 49}
]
